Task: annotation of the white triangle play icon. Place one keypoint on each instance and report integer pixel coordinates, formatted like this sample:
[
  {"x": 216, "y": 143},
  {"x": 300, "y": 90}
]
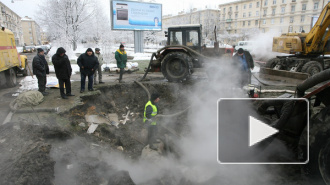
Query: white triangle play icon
[{"x": 259, "y": 131}]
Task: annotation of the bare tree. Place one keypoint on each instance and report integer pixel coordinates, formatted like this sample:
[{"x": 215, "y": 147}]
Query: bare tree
[{"x": 66, "y": 20}]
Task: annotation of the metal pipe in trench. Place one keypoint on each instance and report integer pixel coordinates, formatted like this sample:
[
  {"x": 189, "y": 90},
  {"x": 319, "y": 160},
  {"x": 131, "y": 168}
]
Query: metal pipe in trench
[{"x": 13, "y": 110}]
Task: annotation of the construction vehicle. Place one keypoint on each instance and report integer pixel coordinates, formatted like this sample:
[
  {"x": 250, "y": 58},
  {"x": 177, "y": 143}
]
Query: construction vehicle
[
  {"x": 11, "y": 62},
  {"x": 291, "y": 119},
  {"x": 307, "y": 50},
  {"x": 184, "y": 51}
]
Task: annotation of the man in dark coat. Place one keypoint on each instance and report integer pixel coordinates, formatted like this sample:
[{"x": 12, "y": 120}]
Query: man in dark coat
[
  {"x": 244, "y": 60},
  {"x": 63, "y": 71},
  {"x": 88, "y": 63},
  {"x": 40, "y": 69}
]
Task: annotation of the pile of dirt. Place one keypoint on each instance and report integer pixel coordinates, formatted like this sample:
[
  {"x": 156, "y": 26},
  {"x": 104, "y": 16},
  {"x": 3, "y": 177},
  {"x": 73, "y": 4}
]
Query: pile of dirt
[
  {"x": 40, "y": 154},
  {"x": 121, "y": 98},
  {"x": 25, "y": 154}
]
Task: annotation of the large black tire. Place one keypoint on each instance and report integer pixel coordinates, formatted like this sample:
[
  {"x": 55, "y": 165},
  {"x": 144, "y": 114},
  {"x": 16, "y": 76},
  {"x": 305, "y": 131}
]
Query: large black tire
[
  {"x": 25, "y": 71},
  {"x": 317, "y": 170},
  {"x": 177, "y": 66},
  {"x": 11, "y": 79},
  {"x": 312, "y": 68},
  {"x": 271, "y": 63}
]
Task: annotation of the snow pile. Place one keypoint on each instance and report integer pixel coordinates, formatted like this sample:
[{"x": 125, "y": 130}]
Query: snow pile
[
  {"x": 75, "y": 68},
  {"x": 28, "y": 83},
  {"x": 142, "y": 56}
]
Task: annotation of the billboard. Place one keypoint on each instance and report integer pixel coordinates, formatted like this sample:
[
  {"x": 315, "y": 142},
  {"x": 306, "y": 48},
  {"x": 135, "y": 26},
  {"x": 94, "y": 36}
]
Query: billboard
[{"x": 129, "y": 15}]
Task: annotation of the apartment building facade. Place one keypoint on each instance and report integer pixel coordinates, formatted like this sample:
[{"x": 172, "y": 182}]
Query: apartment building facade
[
  {"x": 208, "y": 18},
  {"x": 248, "y": 16},
  {"x": 10, "y": 20},
  {"x": 31, "y": 31}
]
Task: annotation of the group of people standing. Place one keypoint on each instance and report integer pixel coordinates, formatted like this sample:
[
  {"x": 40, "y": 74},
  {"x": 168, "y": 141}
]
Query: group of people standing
[{"x": 90, "y": 65}]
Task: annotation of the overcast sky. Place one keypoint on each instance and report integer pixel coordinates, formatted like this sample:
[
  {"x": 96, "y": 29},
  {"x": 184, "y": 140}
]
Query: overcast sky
[{"x": 29, "y": 7}]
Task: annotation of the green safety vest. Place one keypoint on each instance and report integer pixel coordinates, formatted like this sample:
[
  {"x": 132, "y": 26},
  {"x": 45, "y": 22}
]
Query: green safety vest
[{"x": 153, "y": 114}]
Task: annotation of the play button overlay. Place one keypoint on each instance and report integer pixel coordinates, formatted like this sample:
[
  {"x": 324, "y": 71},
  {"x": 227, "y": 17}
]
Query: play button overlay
[
  {"x": 263, "y": 131},
  {"x": 259, "y": 131}
]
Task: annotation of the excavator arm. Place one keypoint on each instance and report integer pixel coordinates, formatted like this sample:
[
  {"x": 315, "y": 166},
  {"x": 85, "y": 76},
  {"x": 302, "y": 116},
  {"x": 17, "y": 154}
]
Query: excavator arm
[{"x": 317, "y": 38}]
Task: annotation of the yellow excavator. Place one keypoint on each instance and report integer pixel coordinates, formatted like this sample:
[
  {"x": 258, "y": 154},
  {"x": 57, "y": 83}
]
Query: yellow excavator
[{"x": 307, "y": 51}]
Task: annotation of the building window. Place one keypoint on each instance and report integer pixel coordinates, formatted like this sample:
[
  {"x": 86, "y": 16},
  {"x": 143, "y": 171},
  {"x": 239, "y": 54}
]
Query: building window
[
  {"x": 273, "y": 11},
  {"x": 265, "y": 12},
  {"x": 243, "y": 23},
  {"x": 249, "y": 14},
  {"x": 229, "y": 17},
  {"x": 274, "y": 1},
  {"x": 230, "y": 9},
  {"x": 301, "y": 28},
  {"x": 256, "y": 23},
  {"x": 316, "y": 5},
  {"x": 224, "y": 10},
  {"x": 236, "y": 8},
  {"x": 290, "y": 29},
  {"x": 244, "y": 6},
  {"x": 224, "y": 17},
  {"x": 282, "y": 9},
  {"x": 303, "y": 7},
  {"x": 244, "y": 15},
  {"x": 258, "y": 4},
  {"x": 281, "y": 20},
  {"x": 302, "y": 18},
  {"x": 291, "y": 19},
  {"x": 272, "y": 21},
  {"x": 264, "y": 21},
  {"x": 249, "y": 23},
  {"x": 283, "y": 1},
  {"x": 250, "y": 5},
  {"x": 293, "y": 7},
  {"x": 236, "y": 15},
  {"x": 257, "y": 13},
  {"x": 266, "y": 2}
]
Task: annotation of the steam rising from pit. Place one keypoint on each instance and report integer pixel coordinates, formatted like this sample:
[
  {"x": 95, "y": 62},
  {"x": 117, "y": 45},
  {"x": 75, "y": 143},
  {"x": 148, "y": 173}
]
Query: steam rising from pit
[
  {"x": 197, "y": 163},
  {"x": 262, "y": 44}
]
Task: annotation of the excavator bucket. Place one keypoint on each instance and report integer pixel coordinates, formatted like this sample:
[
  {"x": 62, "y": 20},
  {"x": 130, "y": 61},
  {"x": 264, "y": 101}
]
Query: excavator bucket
[{"x": 267, "y": 76}]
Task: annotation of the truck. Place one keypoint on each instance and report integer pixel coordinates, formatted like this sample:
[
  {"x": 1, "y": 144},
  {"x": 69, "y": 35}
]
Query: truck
[
  {"x": 307, "y": 51},
  {"x": 184, "y": 51},
  {"x": 11, "y": 62}
]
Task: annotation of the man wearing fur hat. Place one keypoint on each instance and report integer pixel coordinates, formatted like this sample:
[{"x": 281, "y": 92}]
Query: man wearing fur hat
[
  {"x": 63, "y": 71},
  {"x": 40, "y": 69},
  {"x": 88, "y": 63}
]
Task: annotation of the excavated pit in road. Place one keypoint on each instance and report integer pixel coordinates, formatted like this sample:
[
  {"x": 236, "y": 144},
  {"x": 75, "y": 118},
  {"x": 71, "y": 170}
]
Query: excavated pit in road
[
  {"x": 58, "y": 150},
  {"x": 62, "y": 152}
]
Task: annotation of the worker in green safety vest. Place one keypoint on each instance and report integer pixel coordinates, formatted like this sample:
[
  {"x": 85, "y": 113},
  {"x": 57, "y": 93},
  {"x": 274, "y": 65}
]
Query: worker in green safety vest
[{"x": 150, "y": 111}]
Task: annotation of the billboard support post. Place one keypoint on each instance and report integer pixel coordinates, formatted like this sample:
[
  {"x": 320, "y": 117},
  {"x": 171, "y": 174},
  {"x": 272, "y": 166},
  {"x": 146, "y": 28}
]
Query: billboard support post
[{"x": 138, "y": 41}]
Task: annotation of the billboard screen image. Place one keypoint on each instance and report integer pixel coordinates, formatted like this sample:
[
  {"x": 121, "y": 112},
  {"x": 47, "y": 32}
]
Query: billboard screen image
[{"x": 129, "y": 15}]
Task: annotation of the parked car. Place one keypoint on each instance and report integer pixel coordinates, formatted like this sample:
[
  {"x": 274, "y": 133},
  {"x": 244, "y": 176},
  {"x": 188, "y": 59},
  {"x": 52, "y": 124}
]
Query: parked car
[{"x": 28, "y": 49}]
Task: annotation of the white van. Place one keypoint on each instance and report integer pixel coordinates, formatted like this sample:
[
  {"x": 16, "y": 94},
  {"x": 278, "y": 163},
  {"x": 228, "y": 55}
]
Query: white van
[{"x": 246, "y": 45}]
